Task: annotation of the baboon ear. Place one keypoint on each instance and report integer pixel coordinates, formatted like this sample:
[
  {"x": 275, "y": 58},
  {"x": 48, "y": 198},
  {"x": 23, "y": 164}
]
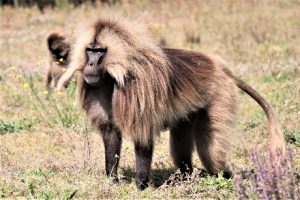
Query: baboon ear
[{"x": 53, "y": 40}]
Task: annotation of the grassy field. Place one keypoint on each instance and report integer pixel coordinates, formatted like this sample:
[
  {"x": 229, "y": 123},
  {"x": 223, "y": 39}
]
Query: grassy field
[{"x": 47, "y": 150}]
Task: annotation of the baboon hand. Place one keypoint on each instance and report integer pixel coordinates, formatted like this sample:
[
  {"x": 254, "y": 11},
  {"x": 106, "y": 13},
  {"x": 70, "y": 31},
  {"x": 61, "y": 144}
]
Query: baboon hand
[
  {"x": 60, "y": 85},
  {"x": 64, "y": 79}
]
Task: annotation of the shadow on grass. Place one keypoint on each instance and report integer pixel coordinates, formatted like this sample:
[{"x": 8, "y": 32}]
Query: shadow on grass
[{"x": 158, "y": 176}]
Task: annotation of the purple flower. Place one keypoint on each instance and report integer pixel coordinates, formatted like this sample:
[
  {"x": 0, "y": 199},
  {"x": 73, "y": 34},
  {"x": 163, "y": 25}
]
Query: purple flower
[{"x": 273, "y": 178}]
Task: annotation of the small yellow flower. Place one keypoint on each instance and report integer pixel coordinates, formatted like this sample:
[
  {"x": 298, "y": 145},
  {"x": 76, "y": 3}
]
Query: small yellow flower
[
  {"x": 25, "y": 85},
  {"x": 63, "y": 69},
  {"x": 12, "y": 68},
  {"x": 46, "y": 92},
  {"x": 19, "y": 76},
  {"x": 59, "y": 93},
  {"x": 61, "y": 60}
]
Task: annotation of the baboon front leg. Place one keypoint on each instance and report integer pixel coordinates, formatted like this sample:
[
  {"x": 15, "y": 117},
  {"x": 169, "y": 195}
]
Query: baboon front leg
[
  {"x": 49, "y": 80},
  {"x": 112, "y": 143},
  {"x": 181, "y": 144},
  {"x": 143, "y": 156}
]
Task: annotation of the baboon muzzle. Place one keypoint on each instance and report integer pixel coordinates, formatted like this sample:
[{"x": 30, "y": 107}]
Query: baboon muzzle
[{"x": 92, "y": 72}]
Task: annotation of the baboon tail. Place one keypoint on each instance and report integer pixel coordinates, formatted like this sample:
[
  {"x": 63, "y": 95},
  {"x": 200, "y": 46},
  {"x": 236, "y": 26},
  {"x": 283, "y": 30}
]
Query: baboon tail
[{"x": 276, "y": 138}]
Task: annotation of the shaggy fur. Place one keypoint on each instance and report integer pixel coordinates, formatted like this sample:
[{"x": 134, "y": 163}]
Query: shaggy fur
[
  {"x": 149, "y": 87},
  {"x": 59, "y": 48}
]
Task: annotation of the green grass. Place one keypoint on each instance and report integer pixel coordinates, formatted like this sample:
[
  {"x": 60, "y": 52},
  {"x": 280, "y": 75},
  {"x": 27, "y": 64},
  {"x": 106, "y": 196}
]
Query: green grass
[
  {"x": 56, "y": 155},
  {"x": 14, "y": 126}
]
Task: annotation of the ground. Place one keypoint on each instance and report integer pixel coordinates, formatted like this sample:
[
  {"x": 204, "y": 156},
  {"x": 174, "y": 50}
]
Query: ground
[{"x": 48, "y": 151}]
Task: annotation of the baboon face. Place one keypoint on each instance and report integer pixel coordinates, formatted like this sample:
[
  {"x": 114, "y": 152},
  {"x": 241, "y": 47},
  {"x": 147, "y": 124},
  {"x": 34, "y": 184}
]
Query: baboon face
[
  {"x": 60, "y": 54},
  {"x": 106, "y": 51},
  {"x": 93, "y": 72},
  {"x": 59, "y": 49}
]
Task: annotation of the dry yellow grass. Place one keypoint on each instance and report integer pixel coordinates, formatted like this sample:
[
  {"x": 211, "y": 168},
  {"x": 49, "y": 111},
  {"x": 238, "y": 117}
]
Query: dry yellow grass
[{"x": 54, "y": 156}]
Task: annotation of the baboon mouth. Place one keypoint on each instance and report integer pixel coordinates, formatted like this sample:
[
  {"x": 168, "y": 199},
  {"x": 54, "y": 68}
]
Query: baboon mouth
[
  {"x": 97, "y": 80},
  {"x": 94, "y": 80}
]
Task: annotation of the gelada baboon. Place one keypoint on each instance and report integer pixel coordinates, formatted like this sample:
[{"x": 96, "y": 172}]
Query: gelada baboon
[
  {"x": 59, "y": 48},
  {"x": 128, "y": 86}
]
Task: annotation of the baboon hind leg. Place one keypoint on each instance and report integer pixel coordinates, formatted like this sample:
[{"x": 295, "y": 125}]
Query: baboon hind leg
[
  {"x": 211, "y": 137},
  {"x": 112, "y": 143},
  {"x": 181, "y": 144}
]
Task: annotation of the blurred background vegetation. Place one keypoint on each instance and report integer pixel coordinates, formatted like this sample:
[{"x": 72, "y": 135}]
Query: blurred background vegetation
[{"x": 47, "y": 151}]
